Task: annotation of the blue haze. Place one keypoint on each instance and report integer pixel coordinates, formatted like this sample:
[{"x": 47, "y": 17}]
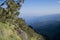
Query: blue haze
[
  {"x": 31, "y": 8},
  {"x": 43, "y": 16}
]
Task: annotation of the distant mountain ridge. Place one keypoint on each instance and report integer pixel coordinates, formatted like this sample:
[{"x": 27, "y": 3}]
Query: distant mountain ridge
[
  {"x": 43, "y": 18},
  {"x": 47, "y": 25}
]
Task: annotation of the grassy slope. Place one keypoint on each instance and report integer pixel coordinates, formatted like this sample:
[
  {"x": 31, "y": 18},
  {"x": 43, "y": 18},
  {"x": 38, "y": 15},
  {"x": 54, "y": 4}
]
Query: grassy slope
[{"x": 7, "y": 32}]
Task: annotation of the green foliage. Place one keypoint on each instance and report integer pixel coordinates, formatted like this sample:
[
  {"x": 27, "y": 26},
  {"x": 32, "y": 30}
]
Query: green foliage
[{"x": 11, "y": 11}]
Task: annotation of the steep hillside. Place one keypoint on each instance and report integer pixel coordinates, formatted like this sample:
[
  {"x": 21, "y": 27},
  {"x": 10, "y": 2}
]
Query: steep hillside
[
  {"x": 12, "y": 27},
  {"x": 10, "y": 31}
]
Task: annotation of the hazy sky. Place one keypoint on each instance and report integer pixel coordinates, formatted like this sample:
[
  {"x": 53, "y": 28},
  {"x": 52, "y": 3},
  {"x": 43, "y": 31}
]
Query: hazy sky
[{"x": 40, "y": 7}]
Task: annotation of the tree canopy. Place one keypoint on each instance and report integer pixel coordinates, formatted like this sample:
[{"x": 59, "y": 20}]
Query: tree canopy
[{"x": 11, "y": 10}]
